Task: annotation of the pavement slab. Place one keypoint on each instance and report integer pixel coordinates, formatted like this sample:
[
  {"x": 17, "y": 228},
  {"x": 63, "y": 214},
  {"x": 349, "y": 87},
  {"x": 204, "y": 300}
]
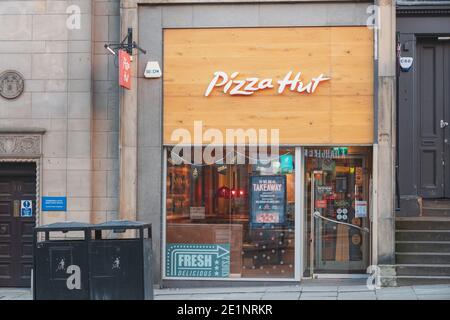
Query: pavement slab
[
  {"x": 243, "y": 296},
  {"x": 213, "y": 296},
  {"x": 394, "y": 290},
  {"x": 320, "y": 288},
  {"x": 281, "y": 296},
  {"x": 320, "y": 294},
  {"x": 23, "y": 297},
  {"x": 211, "y": 290},
  {"x": 431, "y": 290},
  {"x": 284, "y": 289},
  {"x": 331, "y": 290},
  {"x": 173, "y": 297},
  {"x": 13, "y": 295},
  {"x": 356, "y": 288},
  {"x": 321, "y": 298},
  {"x": 392, "y": 296},
  {"x": 161, "y": 292},
  {"x": 431, "y": 286},
  {"x": 434, "y": 297},
  {"x": 357, "y": 296},
  {"x": 335, "y": 282}
]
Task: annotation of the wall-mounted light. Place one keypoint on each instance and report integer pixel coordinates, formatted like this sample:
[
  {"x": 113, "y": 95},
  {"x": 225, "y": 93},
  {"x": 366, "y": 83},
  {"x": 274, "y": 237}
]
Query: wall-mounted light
[
  {"x": 107, "y": 47},
  {"x": 128, "y": 46}
]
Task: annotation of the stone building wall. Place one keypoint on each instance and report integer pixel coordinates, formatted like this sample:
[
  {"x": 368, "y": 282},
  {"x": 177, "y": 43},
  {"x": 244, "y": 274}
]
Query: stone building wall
[
  {"x": 105, "y": 125},
  {"x": 71, "y": 94}
]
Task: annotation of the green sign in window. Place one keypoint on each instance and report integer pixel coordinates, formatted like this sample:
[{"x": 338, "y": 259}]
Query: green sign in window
[
  {"x": 198, "y": 260},
  {"x": 341, "y": 151}
]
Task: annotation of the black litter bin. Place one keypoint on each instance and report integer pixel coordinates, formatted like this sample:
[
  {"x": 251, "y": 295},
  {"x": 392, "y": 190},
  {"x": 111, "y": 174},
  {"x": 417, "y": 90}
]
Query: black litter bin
[
  {"x": 120, "y": 260},
  {"x": 61, "y": 268}
]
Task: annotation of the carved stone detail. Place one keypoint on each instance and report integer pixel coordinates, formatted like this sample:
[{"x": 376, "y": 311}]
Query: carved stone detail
[
  {"x": 11, "y": 84},
  {"x": 26, "y": 145}
]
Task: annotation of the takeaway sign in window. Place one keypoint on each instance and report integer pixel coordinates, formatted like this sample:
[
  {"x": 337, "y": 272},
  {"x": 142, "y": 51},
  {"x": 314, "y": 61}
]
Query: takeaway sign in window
[{"x": 268, "y": 200}]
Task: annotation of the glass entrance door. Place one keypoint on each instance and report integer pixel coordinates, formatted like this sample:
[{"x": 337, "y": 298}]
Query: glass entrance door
[{"x": 338, "y": 199}]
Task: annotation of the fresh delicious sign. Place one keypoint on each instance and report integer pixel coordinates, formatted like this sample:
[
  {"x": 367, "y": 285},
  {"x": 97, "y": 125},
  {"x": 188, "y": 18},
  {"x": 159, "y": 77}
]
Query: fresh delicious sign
[
  {"x": 248, "y": 86},
  {"x": 198, "y": 260}
]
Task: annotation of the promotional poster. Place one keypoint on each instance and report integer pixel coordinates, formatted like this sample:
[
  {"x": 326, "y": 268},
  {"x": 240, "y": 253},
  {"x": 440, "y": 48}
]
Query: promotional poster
[{"x": 268, "y": 198}]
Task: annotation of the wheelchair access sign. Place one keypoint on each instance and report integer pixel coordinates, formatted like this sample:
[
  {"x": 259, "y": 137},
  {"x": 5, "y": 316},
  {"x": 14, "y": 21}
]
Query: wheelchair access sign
[
  {"x": 198, "y": 260},
  {"x": 26, "y": 208}
]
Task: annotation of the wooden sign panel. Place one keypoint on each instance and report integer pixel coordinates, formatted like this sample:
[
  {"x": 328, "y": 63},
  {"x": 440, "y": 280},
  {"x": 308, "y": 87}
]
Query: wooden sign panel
[{"x": 340, "y": 110}]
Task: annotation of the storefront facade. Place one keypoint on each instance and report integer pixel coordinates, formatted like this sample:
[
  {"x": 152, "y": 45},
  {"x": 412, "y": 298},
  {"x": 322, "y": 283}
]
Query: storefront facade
[
  {"x": 257, "y": 149},
  {"x": 264, "y": 149},
  {"x": 299, "y": 87}
]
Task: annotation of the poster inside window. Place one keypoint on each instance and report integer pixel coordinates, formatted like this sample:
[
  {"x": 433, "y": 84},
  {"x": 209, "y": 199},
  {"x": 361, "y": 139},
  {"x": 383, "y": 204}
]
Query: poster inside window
[{"x": 268, "y": 200}]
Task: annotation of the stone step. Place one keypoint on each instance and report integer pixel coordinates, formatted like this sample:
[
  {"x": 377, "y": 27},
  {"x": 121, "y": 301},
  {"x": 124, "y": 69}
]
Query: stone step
[
  {"x": 435, "y": 212},
  {"x": 436, "y": 208},
  {"x": 422, "y": 246},
  {"x": 422, "y": 235},
  {"x": 436, "y": 203},
  {"x": 421, "y": 280},
  {"x": 422, "y": 223},
  {"x": 422, "y": 258},
  {"x": 423, "y": 270}
]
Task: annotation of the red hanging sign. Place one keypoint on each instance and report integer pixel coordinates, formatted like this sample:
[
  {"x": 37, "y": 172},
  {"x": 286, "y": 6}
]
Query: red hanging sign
[{"x": 124, "y": 69}]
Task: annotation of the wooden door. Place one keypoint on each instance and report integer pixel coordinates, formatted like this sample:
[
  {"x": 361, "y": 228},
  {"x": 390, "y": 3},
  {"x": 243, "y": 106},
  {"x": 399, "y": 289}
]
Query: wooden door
[
  {"x": 17, "y": 191},
  {"x": 432, "y": 115},
  {"x": 446, "y": 122}
]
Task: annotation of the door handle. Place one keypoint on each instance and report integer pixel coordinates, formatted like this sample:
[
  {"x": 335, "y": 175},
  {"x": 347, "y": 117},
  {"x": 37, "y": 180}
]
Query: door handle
[
  {"x": 16, "y": 212},
  {"x": 443, "y": 124}
]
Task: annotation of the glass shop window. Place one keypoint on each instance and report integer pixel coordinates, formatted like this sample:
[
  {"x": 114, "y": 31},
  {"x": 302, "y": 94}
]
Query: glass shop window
[{"x": 232, "y": 217}]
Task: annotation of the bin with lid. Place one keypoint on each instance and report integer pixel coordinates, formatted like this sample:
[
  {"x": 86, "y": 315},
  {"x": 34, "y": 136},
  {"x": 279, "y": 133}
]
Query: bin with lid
[
  {"x": 120, "y": 260},
  {"x": 61, "y": 265}
]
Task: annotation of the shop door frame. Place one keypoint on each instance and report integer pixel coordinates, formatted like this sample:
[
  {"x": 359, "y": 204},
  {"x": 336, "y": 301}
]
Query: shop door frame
[
  {"x": 299, "y": 213},
  {"x": 308, "y": 245}
]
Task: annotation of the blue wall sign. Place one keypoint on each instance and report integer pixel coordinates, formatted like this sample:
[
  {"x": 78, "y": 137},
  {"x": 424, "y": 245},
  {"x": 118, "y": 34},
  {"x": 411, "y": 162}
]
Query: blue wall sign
[
  {"x": 268, "y": 200},
  {"x": 198, "y": 260},
  {"x": 26, "y": 208},
  {"x": 54, "y": 203}
]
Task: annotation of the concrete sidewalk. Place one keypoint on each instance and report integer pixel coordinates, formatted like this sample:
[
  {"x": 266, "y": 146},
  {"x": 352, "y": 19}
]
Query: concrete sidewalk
[
  {"x": 307, "y": 290},
  {"x": 310, "y": 290}
]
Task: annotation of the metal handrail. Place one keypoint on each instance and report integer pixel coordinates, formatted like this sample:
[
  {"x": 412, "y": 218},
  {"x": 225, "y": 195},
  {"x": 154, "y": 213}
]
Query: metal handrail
[{"x": 318, "y": 215}]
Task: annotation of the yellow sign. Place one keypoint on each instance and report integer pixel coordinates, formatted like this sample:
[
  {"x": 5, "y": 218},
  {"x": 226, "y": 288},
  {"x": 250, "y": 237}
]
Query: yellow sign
[{"x": 313, "y": 84}]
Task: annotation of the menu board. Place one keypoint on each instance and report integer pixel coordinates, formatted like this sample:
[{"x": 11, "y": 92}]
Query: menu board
[{"x": 268, "y": 200}]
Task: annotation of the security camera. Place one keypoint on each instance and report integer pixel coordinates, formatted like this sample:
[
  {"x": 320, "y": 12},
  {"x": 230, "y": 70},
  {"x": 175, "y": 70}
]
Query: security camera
[{"x": 406, "y": 63}]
